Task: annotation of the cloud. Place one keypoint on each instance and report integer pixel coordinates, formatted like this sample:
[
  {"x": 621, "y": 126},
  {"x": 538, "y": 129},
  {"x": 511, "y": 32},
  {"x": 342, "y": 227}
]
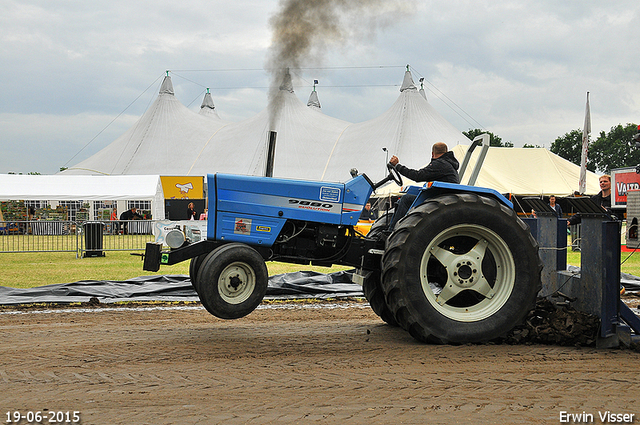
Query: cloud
[{"x": 520, "y": 68}]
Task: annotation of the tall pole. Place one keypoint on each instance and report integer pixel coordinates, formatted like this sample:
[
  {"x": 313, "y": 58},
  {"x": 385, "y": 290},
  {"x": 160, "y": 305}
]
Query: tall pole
[{"x": 585, "y": 147}]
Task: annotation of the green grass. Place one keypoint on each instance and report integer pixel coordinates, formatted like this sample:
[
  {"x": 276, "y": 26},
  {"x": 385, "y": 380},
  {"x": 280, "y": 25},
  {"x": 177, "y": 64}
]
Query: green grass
[
  {"x": 27, "y": 270},
  {"x": 630, "y": 260}
]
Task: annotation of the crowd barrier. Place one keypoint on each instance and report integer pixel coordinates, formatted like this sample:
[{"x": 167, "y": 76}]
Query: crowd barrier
[{"x": 85, "y": 238}]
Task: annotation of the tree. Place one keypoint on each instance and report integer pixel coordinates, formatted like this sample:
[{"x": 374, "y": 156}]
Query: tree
[
  {"x": 569, "y": 147},
  {"x": 610, "y": 150},
  {"x": 615, "y": 149},
  {"x": 526, "y": 145},
  {"x": 493, "y": 139}
]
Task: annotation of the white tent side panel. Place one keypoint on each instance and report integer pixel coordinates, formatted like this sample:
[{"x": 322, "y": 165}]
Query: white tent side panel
[
  {"x": 526, "y": 171},
  {"x": 60, "y": 187}
]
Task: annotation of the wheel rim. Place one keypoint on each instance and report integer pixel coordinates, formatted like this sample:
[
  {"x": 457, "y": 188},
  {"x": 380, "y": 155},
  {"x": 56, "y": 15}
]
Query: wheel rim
[
  {"x": 467, "y": 272},
  {"x": 236, "y": 282}
]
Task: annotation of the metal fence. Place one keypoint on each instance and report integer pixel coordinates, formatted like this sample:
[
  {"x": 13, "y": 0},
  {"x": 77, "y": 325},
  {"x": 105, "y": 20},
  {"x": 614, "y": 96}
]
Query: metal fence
[{"x": 83, "y": 238}]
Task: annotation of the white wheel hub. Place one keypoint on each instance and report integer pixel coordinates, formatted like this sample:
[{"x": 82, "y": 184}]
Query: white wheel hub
[
  {"x": 462, "y": 250},
  {"x": 236, "y": 282}
]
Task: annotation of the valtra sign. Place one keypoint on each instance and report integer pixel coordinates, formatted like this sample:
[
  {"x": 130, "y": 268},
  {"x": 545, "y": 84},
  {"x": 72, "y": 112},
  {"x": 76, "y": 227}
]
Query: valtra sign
[{"x": 623, "y": 180}]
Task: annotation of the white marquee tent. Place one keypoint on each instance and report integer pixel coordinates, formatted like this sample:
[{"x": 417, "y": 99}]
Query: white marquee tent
[
  {"x": 170, "y": 139},
  {"x": 61, "y": 187},
  {"x": 521, "y": 171},
  {"x": 408, "y": 130},
  {"x": 166, "y": 140},
  {"x": 527, "y": 171}
]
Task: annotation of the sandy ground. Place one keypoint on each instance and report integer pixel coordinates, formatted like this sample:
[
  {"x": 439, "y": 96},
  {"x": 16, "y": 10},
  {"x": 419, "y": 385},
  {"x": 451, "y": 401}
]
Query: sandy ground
[{"x": 293, "y": 365}]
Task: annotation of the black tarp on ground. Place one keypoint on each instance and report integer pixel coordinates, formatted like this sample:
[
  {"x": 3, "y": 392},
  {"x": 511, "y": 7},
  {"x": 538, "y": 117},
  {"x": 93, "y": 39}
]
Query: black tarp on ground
[{"x": 303, "y": 284}]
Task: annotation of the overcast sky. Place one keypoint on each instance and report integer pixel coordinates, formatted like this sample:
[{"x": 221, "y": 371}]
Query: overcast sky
[{"x": 77, "y": 74}]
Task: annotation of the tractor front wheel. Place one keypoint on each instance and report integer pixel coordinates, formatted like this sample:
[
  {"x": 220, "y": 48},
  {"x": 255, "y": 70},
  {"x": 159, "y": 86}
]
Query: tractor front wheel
[
  {"x": 194, "y": 267},
  {"x": 232, "y": 281}
]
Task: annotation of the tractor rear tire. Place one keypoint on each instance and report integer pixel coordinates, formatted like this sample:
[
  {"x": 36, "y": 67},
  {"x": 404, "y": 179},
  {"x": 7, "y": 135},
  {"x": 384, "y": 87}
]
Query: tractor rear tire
[
  {"x": 372, "y": 290},
  {"x": 371, "y": 286},
  {"x": 460, "y": 268},
  {"x": 232, "y": 281}
]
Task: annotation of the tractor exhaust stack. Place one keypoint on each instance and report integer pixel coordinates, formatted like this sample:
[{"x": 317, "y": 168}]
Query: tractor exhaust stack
[{"x": 271, "y": 154}]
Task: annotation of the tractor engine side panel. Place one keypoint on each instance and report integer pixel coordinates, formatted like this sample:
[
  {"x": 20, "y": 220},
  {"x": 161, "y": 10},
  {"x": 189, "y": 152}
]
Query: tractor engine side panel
[
  {"x": 254, "y": 210},
  {"x": 248, "y": 228},
  {"x": 282, "y": 198}
]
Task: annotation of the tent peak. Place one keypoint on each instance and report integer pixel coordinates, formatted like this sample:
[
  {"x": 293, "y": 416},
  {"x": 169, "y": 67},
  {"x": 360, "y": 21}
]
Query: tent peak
[
  {"x": 167, "y": 86},
  {"x": 207, "y": 101},
  {"x": 422, "y": 92},
  {"x": 407, "y": 83},
  {"x": 313, "y": 100},
  {"x": 287, "y": 84},
  {"x": 313, "y": 97}
]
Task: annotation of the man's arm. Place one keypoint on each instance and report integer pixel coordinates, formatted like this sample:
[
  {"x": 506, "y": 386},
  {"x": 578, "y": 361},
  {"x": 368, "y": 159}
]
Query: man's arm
[{"x": 426, "y": 174}]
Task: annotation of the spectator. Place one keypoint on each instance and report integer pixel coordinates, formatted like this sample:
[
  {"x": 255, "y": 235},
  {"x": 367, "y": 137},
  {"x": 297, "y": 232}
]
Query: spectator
[
  {"x": 556, "y": 207},
  {"x": 130, "y": 214},
  {"x": 191, "y": 211},
  {"x": 367, "y": 213},
  {"x": 602, "y": 198}
]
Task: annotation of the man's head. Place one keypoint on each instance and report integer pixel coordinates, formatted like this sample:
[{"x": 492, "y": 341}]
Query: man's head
[
  {"x": 552, "y": 199},
  {"x": 367, "y": 206},
  {"x": 438, "y": 149}
]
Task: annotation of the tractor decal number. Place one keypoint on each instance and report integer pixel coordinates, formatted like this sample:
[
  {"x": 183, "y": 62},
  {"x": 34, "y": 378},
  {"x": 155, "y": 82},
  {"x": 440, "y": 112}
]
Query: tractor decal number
[
  {"x": 311, "y": 205},
  {"x": 242, "y": 226}
]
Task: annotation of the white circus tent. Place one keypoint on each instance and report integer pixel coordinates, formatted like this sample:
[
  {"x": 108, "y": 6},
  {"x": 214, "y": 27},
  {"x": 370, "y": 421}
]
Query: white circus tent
[
  {"x": 165, "y": 140},
  {"x": 408, "y": 129},
  {"x": 170, "y": 139}
]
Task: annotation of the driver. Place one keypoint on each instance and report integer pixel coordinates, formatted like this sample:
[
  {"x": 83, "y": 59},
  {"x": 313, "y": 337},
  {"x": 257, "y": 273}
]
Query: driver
[{"x": 443, "y": 167}]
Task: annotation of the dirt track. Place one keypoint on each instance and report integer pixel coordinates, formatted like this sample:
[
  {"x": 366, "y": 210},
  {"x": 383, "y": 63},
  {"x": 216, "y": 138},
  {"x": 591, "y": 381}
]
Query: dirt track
[{"x": 308, "y": 364}]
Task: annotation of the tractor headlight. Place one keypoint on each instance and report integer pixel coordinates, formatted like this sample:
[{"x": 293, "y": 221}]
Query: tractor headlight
[{"x": 175, "y": 238}]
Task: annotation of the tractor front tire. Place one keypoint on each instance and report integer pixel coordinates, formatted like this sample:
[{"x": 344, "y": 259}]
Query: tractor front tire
[
  {"x": 460, "y": 268},
  {"x": 232, "y": 281},
  {"x": 194, "y": 267}
]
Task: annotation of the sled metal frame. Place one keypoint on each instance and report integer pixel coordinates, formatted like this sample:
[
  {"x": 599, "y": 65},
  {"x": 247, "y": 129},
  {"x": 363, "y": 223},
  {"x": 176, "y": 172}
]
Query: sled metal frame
[
  {"x": 480, "y": 140},
  {"x": 596, "y": 290}
]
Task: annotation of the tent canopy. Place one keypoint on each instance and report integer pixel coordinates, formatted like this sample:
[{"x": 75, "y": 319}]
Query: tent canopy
[
  {"x": 526, "y": 171},
  {"x": 408, "y": 129},
  {"x": 166, "y": 140},
  {"x": 170, "y": 139},
  {"x": 60, "y": 187},
  {"x": 521, "y": 171}
]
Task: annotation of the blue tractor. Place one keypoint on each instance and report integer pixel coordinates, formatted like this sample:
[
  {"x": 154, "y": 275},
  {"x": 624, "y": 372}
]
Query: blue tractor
[{"x": 460, "y": 267}]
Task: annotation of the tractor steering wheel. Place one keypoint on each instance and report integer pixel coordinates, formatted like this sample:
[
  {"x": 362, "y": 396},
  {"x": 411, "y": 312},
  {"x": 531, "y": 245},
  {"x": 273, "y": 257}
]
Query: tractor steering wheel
[{"x": 394, "y": 174}]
